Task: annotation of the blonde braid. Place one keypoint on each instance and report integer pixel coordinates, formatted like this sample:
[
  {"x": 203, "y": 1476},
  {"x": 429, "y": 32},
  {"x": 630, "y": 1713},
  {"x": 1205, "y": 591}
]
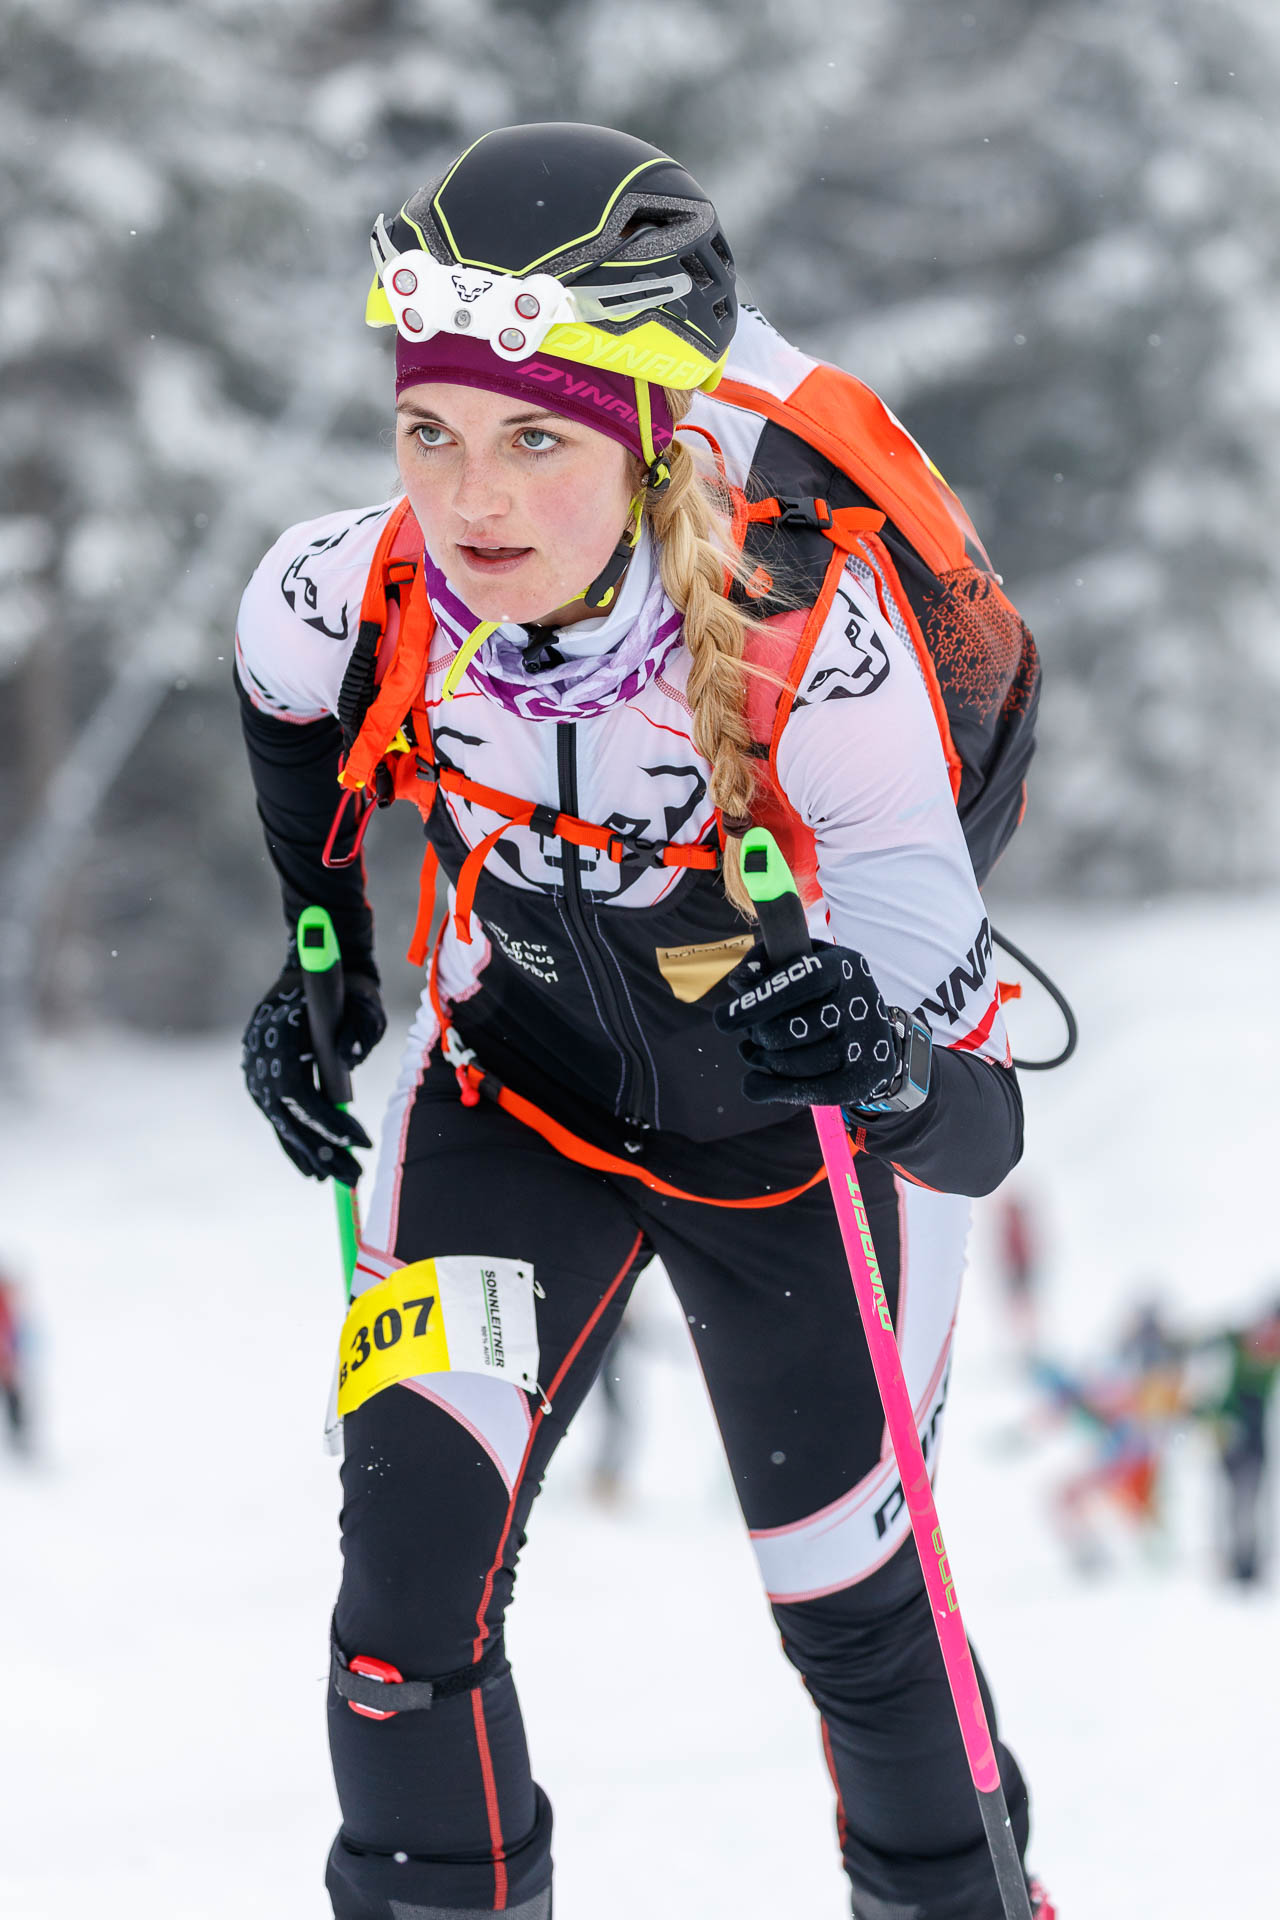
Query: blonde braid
[{"x": 688, "y": 521}]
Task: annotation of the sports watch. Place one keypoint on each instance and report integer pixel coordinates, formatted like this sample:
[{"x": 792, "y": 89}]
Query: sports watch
[{"x": 910, "y": 1083}]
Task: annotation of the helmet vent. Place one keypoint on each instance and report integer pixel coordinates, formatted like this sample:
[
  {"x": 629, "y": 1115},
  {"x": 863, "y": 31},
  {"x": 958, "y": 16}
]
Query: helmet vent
[
  {"x": 721, "y": 309},
  {"x": 652, "y": 220},
  {"x": 721, "y": 246},
  {"x": 694, "y": 267}
]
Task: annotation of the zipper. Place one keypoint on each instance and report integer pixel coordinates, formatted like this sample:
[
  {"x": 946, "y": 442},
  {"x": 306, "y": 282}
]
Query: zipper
[{"x": 618, "y": 1021}]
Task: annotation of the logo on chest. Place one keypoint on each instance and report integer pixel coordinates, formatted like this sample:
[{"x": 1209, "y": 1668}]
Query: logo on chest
[
  {"x": 692, "y": 971},
  {"x": 531, "y": 956}
]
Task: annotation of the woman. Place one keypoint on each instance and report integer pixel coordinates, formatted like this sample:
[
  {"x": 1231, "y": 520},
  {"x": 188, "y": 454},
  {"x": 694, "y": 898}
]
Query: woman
[{"x": 547, "y": 658}]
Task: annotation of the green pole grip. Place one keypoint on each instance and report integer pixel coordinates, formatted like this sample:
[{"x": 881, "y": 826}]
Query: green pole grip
[
  {"x": 778, "y": 906},
  {"x": 321, "y": 961}
]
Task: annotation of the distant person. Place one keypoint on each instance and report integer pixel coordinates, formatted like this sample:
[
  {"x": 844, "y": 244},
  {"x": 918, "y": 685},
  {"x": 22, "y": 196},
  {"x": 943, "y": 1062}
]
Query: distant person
[
  {"x": 1148, "y": 1345},
  {"x": 1020, "y": 1265},
  {"x": 13, "y": 1386},
  {"x": 1130, "y": 1407},
  {"x": 1240, "y": 1421}
]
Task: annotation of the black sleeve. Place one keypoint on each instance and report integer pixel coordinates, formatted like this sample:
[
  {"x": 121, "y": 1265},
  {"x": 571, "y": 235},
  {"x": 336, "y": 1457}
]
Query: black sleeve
[
  {"x": 295, "y": 776},
  {"x": 965, "y": 1137}
]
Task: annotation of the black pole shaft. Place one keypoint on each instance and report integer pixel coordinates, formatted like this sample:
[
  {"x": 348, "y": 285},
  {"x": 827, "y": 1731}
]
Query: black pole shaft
[{"x": 1010, "y": 1878}]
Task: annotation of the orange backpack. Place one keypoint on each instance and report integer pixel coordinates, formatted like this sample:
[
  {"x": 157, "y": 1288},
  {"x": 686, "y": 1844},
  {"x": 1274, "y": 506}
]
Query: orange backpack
[
  {"x": 841, "y": 472},
  {"x": 836, "y": 476}
]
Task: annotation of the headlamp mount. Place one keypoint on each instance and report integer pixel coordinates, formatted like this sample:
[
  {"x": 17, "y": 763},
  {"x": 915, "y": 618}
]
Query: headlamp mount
[{"x": 512, "y": 314}]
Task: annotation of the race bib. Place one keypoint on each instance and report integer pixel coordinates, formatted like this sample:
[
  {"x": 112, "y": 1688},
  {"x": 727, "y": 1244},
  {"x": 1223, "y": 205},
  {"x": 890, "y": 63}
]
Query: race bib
[{"x": 458, "y": 1314}]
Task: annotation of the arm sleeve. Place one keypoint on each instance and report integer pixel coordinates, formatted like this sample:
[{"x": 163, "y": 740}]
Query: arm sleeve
[
  {"x": 294, "y": 635},
  {"x": 861, "y": 762},
  {"x": 295, "y": 776},
  {"x": 965, "y": 1137}
]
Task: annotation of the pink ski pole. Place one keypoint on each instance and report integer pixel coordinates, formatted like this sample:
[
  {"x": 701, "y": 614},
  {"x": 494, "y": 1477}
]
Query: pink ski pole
[{"x": 786, "y": 938}]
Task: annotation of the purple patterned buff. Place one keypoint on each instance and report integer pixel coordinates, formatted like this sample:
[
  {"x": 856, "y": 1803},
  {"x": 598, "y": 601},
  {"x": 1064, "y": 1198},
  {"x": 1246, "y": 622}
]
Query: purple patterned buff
[{"x": 590, "y": 680}]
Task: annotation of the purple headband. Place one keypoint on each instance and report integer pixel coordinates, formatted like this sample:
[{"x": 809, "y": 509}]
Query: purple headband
[{"x": 593, "y": 396}]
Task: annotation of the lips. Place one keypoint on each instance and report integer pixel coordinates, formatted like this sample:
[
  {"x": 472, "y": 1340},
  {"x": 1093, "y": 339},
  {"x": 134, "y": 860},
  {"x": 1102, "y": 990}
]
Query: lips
[{"x": 494, "y": 559}]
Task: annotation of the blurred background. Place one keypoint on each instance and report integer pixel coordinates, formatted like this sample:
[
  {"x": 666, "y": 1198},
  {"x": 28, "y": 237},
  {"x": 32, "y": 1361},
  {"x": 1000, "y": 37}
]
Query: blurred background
[{"x": 1046, "y": 231}]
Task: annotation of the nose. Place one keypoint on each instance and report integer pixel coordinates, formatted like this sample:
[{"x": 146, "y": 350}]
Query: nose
[{"x": 481, "y": 494}]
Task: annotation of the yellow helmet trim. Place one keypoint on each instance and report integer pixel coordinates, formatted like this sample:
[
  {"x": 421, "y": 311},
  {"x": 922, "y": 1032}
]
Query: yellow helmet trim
[
  {"x": 377, "y": 308},
  {"x": 648, "y": 352}
]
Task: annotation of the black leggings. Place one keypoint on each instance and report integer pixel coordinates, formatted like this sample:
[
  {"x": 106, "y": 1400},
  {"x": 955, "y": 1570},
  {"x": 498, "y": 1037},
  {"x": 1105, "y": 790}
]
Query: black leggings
[{"x": 440, "y": 1815}]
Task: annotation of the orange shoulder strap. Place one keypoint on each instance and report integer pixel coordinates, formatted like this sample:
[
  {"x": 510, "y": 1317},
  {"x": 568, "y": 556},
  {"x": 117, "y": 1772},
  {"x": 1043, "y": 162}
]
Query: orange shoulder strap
[{"x": 406, "y": 670}]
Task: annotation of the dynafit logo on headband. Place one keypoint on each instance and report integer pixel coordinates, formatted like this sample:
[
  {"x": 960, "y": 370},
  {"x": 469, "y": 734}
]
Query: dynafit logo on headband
[
  {"x": 621, "y": 355},
  {"x": 584, "y": 391}
]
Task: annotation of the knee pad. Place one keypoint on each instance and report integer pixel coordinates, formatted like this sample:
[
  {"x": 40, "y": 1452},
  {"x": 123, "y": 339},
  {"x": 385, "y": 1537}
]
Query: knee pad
[{"x": 378, "y": 1691}]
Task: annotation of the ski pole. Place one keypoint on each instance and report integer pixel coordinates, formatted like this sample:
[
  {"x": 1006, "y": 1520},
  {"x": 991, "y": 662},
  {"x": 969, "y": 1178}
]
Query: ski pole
[
  {"x": 321, "y": 961},
  {"x": 786, "y": 938}
]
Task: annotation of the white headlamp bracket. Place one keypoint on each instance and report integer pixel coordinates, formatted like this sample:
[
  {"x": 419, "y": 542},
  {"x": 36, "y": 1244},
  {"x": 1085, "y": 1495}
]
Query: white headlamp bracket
[{"x": 511, "y": 314}]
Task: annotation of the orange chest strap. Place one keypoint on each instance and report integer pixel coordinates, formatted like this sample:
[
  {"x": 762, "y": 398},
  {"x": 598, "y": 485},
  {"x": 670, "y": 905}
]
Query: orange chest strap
[{"x": 544, "y": 820}]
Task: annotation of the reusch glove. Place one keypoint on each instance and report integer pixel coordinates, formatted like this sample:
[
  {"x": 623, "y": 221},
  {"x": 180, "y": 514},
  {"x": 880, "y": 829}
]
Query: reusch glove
[
  {"x": 280, "y": 1072},
  {"x": 814, "y": 1034}
]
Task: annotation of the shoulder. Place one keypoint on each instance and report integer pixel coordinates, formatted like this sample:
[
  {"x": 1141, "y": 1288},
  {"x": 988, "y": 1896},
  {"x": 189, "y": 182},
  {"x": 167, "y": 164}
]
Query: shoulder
[
  {"x": 861, "y": 703},
  {"x": 300, "y": 613}
]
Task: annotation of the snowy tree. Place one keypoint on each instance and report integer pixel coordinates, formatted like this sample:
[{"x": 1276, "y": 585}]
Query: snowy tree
[
  {"x": 1037, "y": 227},
  {"x": 1050, "y": 257}
]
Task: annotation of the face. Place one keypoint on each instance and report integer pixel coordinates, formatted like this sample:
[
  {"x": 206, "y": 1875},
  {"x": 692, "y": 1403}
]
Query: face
[{"x": 520, "y": 506}]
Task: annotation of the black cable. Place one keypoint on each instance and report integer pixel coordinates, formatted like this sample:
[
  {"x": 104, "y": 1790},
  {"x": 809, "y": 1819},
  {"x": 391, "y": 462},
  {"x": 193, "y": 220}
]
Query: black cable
[{"x": 1056, "y": 995}]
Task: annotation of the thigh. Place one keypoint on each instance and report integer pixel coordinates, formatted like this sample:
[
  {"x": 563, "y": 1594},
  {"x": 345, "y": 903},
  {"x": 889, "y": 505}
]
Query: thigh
[
  {"x": 773, "y": 1315},
  {"x": 440, "y": 1471}
]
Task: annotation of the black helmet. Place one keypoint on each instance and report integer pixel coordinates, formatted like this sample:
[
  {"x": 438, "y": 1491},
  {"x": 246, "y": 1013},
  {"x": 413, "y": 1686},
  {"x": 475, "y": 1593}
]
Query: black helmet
[{"x": 623, "y": 227}]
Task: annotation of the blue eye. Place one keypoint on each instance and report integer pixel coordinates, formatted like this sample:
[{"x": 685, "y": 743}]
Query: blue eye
[
  {"x": 539, "y": 433},
  {"x": 429, "y": 427}
]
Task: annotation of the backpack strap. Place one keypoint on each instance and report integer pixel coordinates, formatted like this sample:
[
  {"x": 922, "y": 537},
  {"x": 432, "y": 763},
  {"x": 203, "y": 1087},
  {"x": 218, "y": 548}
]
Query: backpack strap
[
  {"x": 399, "y": 683},
  {"x": 394, "y": 563},
  {"x": 781, "y": 647},
  {"x": 889, "y": 589},
  {"x": 547, "y": 820}
]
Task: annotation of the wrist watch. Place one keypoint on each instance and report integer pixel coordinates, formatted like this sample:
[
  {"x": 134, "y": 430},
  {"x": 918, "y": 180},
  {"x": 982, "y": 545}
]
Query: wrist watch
[{"x": 910, "y": 1083}]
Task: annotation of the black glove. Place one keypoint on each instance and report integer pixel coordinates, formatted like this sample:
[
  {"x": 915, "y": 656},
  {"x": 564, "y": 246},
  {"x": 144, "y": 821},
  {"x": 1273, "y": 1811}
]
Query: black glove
[
  {"x": 815, "y": 1034},
  {"x": 279, "y": 1071}
]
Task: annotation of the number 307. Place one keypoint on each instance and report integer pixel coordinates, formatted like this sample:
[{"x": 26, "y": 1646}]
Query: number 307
[{"x": 388, "y": 1329}]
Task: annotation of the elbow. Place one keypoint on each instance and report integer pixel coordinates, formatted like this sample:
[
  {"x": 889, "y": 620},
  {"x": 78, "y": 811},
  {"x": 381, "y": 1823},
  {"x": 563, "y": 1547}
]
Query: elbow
[
  {"x": 967, "y": 1137},
  {"x": 1000, "y": 1129},
  {"x": 984, "y": 1180}
]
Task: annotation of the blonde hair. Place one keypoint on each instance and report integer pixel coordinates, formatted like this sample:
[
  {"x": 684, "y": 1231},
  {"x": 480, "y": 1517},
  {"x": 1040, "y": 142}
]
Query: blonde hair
[{"x": 689, "y": 521}]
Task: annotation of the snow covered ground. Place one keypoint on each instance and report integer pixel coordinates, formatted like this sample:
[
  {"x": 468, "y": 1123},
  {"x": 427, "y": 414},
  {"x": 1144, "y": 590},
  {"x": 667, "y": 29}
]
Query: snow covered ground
[{"x": 169, "y": 1563}]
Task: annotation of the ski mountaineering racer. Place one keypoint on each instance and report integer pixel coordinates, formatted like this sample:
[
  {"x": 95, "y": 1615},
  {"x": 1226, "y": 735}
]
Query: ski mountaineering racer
[{"x": 654, "y": 576}]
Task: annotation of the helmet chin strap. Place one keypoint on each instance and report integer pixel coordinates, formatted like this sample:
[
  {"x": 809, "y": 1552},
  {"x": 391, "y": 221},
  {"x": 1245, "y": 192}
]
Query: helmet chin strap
[
  {"x": 602, "y": 590},
  {"x": 657, "y": 476}
]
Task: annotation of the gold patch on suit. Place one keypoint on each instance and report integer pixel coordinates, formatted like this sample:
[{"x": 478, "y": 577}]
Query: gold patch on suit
[{"x": 692, "y": 971}]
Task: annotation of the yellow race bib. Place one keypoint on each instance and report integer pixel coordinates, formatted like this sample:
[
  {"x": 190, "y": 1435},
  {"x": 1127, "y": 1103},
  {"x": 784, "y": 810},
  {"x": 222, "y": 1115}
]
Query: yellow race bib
[{"x": 460, "y": 1313}]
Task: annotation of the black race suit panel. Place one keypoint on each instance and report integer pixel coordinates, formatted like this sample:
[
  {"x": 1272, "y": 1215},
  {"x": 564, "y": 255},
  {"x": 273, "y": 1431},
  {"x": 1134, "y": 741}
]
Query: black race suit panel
[{"x": 440, "y": 1814}]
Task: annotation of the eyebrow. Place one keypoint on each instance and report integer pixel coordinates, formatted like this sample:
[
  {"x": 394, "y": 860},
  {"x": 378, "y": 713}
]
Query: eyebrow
[{"x": 411, "y": 407}]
